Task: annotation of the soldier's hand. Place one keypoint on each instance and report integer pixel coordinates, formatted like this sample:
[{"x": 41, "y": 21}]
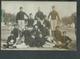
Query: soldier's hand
[{"x": 33, "y": 36}]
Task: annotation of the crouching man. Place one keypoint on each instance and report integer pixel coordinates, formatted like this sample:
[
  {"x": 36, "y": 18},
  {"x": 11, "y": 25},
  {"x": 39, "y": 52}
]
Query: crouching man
[
  {"x": 27, "y": 35},
  {"x": 11, "y": 41}
]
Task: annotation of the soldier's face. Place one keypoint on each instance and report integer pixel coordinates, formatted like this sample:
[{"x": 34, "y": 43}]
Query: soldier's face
[
  {"x": 39, "y": 9},
  {"x": 57, "y": 28},
  {"x": 21, "y": 9},
  {"x": 52, "y": 8},
  {"x": 30, "y": 16}
]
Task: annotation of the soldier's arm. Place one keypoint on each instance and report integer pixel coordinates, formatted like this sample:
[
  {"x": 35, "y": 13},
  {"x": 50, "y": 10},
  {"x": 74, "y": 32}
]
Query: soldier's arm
[
  {"x": 57, "y": 16},
  {"x": 49, "y": 15},
  {"x": 36, "y": 16},
  {"x": 17, "y": 18},
  {"x": 69, "y": 39},
  {"x": 12, "y": 31},
  {"x": 21, "y": 33},
  {"x": 26, "y": 14}
]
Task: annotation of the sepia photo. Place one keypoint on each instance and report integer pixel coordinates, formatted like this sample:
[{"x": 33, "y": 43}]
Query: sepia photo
[{"x": 38, "y": 25}]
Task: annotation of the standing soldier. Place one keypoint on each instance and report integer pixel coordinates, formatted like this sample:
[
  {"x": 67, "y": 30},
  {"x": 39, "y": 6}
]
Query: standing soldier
[
  {"x": 20, "y": 18},
  {"x": 54, "y": 19},
  {"x": 39, "y": 15}
]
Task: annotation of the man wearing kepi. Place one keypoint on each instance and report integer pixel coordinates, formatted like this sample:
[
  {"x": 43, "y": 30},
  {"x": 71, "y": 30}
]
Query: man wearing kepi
[
  {"x": 20, "y": 18},
  {"x": 54, "y": 19}
]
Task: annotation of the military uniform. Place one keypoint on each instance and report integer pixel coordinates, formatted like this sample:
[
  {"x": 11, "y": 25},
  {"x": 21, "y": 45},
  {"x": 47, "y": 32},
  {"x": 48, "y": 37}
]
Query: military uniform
[
  {"x": 47, "y": 24},
  {"x": 54, "y": 21},
  {"x": 27, "y": 36},
  {"x": 39, "y": 15},
  {"x": 37, "y": 40},
  {"x": 54, "y": 17},
  {"x": 15, "y": 33},
  {"x": 20, "y": 19},
  {"x": 30, "y": 22},
  {"x": 57, "y": 37}
]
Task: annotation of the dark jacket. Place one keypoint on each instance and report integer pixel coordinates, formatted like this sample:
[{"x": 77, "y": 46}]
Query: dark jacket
[
  {"x": 40, "y": 15},
  {"x": 47, "y": 24},
  {"x": 57, "y": 35},
  {"x": 37, "y": 41},
  {"x": 30, "y": 22},
  {"x": 15, "y": 32},
  {"x": 26, "y": 33},
  {"x": 65, "y": 39},
  {"x": 27, "y": 36},
  {"x": 20, "y": 15},
  {"x": 53, "y": 15}
]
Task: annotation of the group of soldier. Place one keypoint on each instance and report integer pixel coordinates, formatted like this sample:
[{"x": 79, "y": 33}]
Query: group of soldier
[{"x": 35, "y": 32}]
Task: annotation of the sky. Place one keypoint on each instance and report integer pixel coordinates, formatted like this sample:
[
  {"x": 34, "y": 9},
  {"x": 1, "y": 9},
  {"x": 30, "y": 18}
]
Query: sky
[{"x": 63, "y": 8}]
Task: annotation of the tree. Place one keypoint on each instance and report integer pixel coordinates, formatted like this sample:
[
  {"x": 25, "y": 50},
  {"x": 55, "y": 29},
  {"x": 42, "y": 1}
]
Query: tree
[{"x": 70, "y": 19}]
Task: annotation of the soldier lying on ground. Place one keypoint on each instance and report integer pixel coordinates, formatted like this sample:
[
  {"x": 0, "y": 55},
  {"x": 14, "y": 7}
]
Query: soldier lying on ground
[
  {"x": 66, "y": 41},
  {"x": 10, "y": 42},
  {"x": 61, "y": 39}
]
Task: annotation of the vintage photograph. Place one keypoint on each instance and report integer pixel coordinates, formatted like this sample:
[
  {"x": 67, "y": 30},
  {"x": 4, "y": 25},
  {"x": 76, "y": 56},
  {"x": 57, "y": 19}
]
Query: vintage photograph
[{"x": 38, "y": 25}]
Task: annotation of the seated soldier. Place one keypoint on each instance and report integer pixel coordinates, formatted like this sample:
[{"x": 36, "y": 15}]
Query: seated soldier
[
  {"x": 66, "y": 41},
  {"x": 57, "y": 36},
  {"x": 44, "y": 29},
  {"x": 16, "y": 32},
  {"x": 14, "y": 35},
  {"x": 36, "y": 37},
  {"x": 46, "y": 23},
  {"x": 62, "y": 40},
  {"x": 41, "y": 33},
  {"x": 10, "y": 42},
  {"x": 27, "y": 35},
  {"x": 45, "y": 35},
  {"x": 47, "y": 27}
]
